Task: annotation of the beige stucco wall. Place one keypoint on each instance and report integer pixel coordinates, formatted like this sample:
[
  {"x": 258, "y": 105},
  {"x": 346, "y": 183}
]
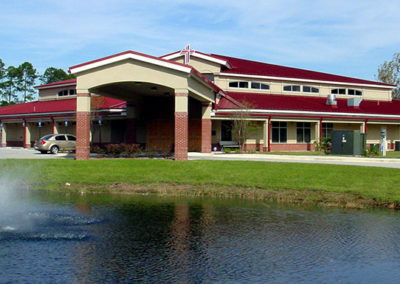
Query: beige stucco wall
[
  {"x": 14, "y": 131},
  {"x": 52, "y": 94},
  {"x": 216, "y": 128},
  {"x": 201, "y": 65},
  {"x": 136, "y": 71},
  {"x": 276, "y": 87},
  {"x": 374, "y": 133}
]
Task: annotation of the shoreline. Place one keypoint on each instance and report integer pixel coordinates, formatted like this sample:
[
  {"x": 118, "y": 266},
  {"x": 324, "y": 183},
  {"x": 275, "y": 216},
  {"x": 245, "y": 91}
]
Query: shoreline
[{"x": 304, "y": 197}]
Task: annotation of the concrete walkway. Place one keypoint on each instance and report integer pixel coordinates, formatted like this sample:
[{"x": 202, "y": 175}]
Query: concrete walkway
[
  {"x": 335, "y": 160},
  {"x": 21, "y": 153}
]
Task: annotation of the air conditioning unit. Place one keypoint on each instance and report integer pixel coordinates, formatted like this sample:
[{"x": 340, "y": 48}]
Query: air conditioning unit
[{"x": 331, "y": 101}]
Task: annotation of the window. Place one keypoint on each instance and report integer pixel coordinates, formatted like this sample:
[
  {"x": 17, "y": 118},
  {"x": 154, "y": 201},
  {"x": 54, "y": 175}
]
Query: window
[
  {"x": 71, "y": 138},
  {"x": 279, "y": 132},
  {"x": 67, "y": 92},
  {"x": 239, "y": 84},
  {"x": 353, "y": 92},
  {"x": 303, "y": 132},
  {"x": 60, "y": 138},
  {"x": 309, "y": 89},
  {"x": 63, "y": 93},
  {"x": 291, "y": 88},
  {"x": 338, "y": 91},
  {"x": 327, "y": 130},
  {"x": 259, "y": 86}
]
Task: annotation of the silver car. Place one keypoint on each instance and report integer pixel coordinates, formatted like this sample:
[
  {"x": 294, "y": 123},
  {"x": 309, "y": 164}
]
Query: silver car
[{"x": 55, "y": 143}]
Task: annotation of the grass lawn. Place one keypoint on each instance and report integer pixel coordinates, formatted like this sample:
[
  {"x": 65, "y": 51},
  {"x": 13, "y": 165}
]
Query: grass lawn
[
  {"x": 389, "y": 154},
  {"x": 382, "y": 184}
]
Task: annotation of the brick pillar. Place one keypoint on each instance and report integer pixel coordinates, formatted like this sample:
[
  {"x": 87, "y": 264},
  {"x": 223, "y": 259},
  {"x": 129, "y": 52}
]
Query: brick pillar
[
  {"x": 27, "y": 136},
  {"x": 181, "y": 126},
  {"x": 206, "y": 128},
  {"x": 3, "y": 135},
  {"x": 130, "y": 124},
  {"x": 82, "y": 126},
  {"x": 53, "y": 126}
]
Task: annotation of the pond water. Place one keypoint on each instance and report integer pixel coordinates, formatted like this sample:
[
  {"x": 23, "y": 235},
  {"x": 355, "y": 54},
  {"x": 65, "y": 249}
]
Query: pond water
[{"x": 58, "y": 238}]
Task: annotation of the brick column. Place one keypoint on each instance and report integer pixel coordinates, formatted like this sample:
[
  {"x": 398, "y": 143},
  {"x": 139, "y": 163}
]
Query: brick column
[
  {"x": 27, "y": 136},
  {"x": 82, "y": 126},
  {"x": 130, "y": 124},
  {"x": 53, "y": 126},
  {"x": 206, "y": 128},
  {"x": 181, "y": 126},
  {"x": 3, "y": 135}
]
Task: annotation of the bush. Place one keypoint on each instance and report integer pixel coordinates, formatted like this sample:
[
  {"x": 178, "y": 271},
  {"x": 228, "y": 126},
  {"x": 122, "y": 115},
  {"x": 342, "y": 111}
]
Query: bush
[
  {"x": 373, "y": 151},
  {"x": 114, "y": 149},
  {"x": 227, "y": 150},
  {"x": 324, "y": 144}
]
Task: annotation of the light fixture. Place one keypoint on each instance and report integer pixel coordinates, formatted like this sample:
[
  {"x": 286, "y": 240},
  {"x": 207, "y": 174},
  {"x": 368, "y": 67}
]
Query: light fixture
[
  {"x": 100, "y": 120},
  {"x": 23, "y": 122},
  {"x": 66, "y": 122}
]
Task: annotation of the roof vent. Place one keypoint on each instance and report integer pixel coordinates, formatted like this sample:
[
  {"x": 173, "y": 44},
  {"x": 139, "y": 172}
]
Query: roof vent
[
  {"x": 354, "y": 102},
  {"x": 331, "y": 101}
]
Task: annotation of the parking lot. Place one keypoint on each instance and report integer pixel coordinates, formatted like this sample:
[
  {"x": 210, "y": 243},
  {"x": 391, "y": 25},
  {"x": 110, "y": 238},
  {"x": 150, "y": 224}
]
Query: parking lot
[{"x": 21, "y": 153}]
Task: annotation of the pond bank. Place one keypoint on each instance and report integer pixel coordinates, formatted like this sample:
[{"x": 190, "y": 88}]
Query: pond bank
[
  {"x": 320, "y": 184},
  {"x": 299, "y": 197}
]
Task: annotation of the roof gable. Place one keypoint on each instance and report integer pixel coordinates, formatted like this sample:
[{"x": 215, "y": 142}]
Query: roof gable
[{"x": 129, "y": 55}]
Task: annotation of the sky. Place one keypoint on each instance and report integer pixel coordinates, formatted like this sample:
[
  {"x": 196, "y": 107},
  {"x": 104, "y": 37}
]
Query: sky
[{"x": 350, "y": 38}]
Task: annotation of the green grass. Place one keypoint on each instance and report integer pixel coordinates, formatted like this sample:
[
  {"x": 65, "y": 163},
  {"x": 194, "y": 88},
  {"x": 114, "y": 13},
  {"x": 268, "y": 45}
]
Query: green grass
[
  {"x": 389, "y": 154},
  {"x": 380, "y": 183}
]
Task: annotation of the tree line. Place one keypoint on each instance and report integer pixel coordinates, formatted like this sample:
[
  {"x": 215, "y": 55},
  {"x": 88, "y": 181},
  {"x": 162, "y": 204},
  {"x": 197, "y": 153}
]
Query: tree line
[{"x": 17, "y": 83}]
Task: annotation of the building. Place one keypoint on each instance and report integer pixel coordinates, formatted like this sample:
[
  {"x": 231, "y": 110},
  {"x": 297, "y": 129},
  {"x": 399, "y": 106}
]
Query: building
[{"x": 187, "y": 101}]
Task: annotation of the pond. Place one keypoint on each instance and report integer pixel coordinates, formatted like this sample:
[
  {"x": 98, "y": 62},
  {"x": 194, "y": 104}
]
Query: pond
[{"x": 58, "y": 238}]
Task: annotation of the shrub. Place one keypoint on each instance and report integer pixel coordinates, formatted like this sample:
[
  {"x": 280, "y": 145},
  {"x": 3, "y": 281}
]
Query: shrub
[
  {"x": 372, "y": 151},
  {"x": 114, "y": 149},
  {"x": 227, "y": 150}
]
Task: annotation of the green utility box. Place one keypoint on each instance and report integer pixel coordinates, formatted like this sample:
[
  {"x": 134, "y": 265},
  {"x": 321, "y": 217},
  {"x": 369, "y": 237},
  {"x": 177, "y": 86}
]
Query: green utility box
[{"x": 348, "y": 142}]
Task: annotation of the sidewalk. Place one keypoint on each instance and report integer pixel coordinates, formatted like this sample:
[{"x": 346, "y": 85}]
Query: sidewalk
[{"x": 339, "y": 160}]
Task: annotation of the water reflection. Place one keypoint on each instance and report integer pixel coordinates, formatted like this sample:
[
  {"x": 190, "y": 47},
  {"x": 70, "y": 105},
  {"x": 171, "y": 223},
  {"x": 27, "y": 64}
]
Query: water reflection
[{"x": 151, "y": 239}]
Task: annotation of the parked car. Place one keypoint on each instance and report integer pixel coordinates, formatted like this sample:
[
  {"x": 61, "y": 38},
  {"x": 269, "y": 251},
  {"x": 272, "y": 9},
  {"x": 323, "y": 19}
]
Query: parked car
[{"x": 55, "y": 143}]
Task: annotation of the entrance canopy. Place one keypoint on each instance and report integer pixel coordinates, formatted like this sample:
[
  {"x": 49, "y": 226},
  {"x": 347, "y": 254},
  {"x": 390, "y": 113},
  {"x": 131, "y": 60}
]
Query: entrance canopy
[
  {"x": 142, "y": 73},
  {"x": 133, "y": 77}
]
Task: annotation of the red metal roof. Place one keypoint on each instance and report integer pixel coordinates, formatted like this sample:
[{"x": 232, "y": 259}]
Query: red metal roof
[
  {"x": 56, "y": 84},
  {"x": 242, "y": 66},
  {"x": 306, "y": 103},
  {"x": 67, "y": 105}
]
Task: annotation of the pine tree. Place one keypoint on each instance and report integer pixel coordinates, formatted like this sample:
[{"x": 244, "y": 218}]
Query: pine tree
[
  {"x": 26, "y": 76},
  {"x": 10, "y": 85}
]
